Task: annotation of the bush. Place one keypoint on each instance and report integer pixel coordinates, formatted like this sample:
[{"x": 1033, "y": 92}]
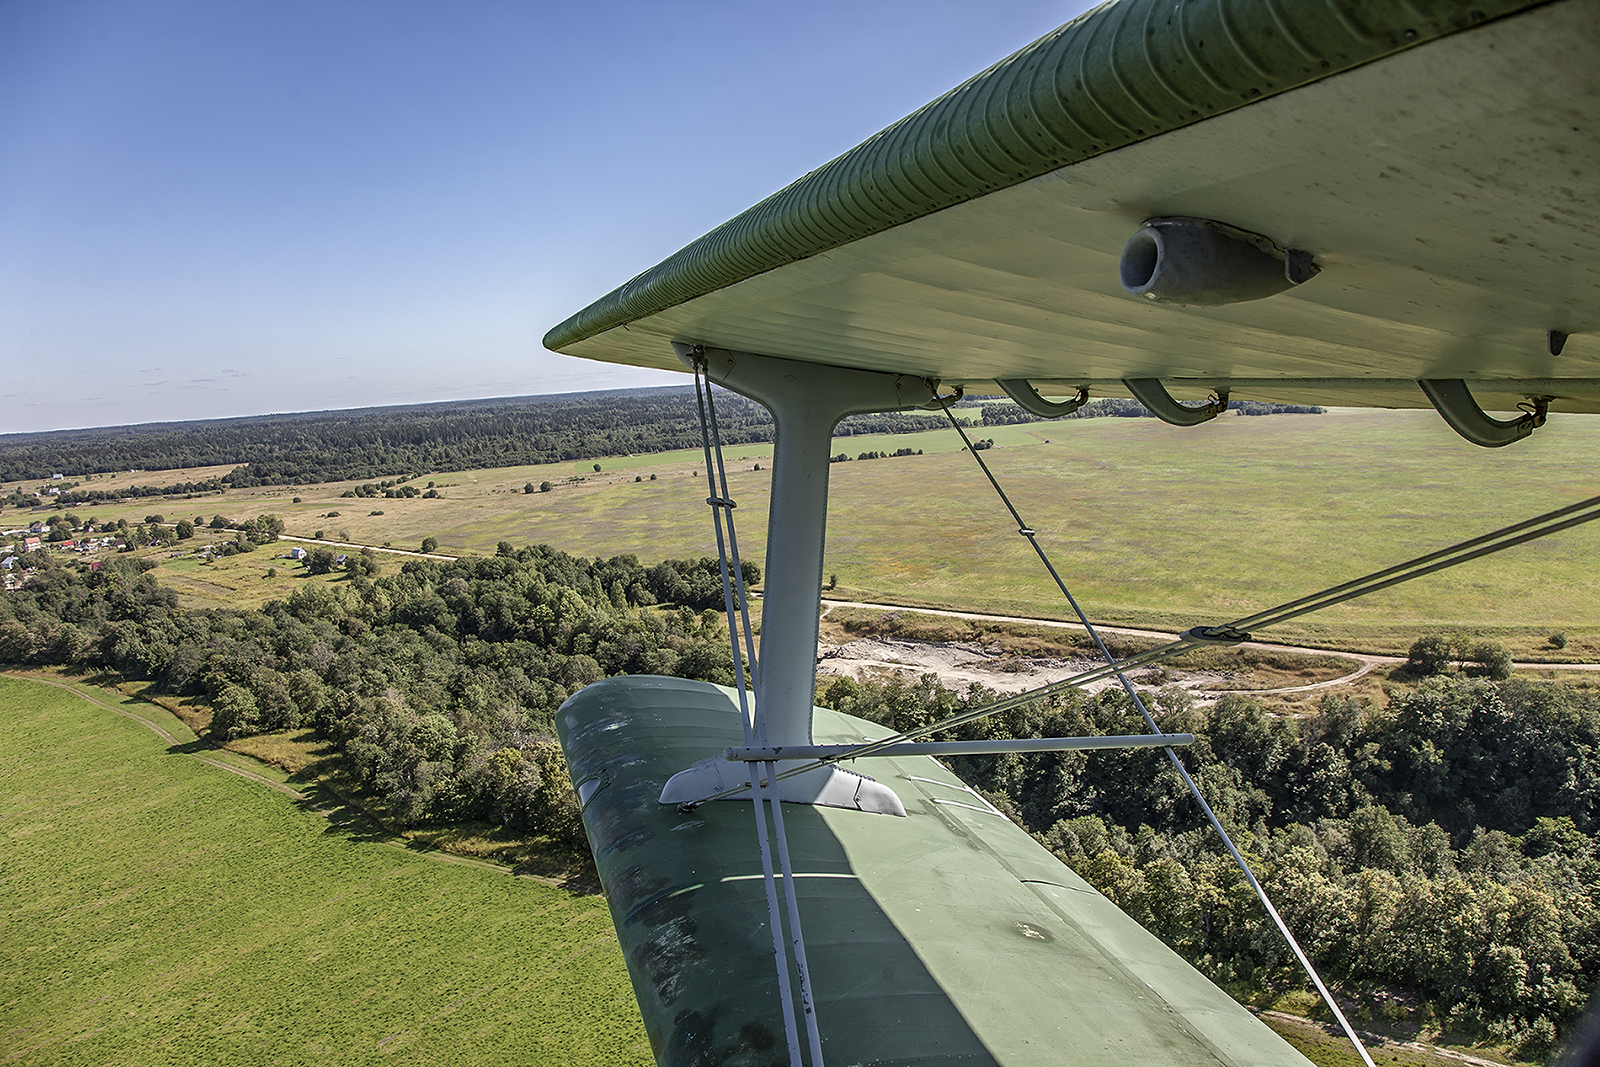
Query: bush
[
  {"x": 1558, "y": 640},
  {"x": 529, "y": 488},
  {"x": 235, "y": 714},
  {"x": 1490, "y": 659},
  {"x": 430, "y": 544},
  {"x": 545, "y": 487},
  {"x": 1430, "y": 655}
]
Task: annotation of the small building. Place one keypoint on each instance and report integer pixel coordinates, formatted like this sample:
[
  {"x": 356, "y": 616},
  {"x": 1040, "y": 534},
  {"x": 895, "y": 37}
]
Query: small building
[
  {"x": 298, "y": 553},
  {"x": 30, "y": 544}
]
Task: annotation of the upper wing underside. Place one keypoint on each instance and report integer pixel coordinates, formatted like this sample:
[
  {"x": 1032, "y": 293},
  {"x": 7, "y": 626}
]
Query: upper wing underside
[{"x": 1437, "y": 159}]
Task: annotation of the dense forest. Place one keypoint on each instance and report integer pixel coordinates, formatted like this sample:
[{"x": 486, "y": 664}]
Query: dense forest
[
  {"x": 1436, "y": 853},
  {"x": 1440, "y": 848},
  {"x": 330, "y": 446},
  {"x": 439, "y": 684}
]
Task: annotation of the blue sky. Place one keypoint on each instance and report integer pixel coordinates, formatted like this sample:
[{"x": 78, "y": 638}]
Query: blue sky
[{"x": 229, "y": 208}]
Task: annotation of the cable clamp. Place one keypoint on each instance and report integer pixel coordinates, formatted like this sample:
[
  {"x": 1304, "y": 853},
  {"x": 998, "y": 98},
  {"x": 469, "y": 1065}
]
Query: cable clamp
[
  {"x": 1536, "y": 408},
  {"x": 1218, "y": 635},
  {"x": 940, "y": 402}
]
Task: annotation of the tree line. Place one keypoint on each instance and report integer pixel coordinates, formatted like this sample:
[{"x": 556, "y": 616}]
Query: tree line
[
  {"x": 1006, "y": 414},
  {"x": 438, "y": 684},
  {"x": 372, "y": 443}
]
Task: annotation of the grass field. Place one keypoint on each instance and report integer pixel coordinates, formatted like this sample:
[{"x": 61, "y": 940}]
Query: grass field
[
  {"x": 246, "y": 580},
  {"x": 1151, "y": 525},
  {"x": 158, "y": 910}
]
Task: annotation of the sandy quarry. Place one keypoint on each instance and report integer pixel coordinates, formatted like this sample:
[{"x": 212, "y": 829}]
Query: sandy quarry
[{"x": 959, "y": 664}]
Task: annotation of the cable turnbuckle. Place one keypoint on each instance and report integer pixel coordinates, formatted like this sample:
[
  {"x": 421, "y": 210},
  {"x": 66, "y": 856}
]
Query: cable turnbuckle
[{"x": 1219, "y": 635}]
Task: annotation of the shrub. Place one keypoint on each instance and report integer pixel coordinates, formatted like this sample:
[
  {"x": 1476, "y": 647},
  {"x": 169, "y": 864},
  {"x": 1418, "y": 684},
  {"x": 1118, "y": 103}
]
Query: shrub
[
  {"x": 545, "y": 487},
  {"x": 1491, "y": 660},
  {"x": 1430, "y": 654},
  {"x": 235, "y": 714},
  {"x": 1558, "y": 640}
]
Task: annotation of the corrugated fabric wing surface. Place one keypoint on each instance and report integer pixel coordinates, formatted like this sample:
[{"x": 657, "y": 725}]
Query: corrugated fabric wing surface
[{"x": 1120, "y": 74}]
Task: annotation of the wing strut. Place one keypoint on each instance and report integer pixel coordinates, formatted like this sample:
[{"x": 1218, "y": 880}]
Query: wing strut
[{"x": 739, "y": 625}]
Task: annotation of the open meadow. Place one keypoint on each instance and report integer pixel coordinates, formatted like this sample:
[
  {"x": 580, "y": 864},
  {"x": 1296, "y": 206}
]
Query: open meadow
[
  {"x": 1151, "y": 525},
  {"x": 159, "y": 910}
]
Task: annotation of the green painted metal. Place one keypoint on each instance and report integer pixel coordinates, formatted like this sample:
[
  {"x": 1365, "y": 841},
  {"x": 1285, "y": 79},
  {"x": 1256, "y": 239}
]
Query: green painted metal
[
  {"x": 1121, "y": 74},
  {"x": 948, "y": 936}
]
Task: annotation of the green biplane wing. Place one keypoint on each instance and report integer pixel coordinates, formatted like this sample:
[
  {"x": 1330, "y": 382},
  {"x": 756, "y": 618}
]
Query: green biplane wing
[
  {"x": 1349, "y": 202},
  {"x": 948, "y": 936},
  {"x": 1439, "y": 160}
]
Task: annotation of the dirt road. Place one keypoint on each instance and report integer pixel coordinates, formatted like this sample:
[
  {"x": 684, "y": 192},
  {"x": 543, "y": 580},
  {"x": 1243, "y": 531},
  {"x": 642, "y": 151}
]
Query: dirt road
[{"x": 962, "y": 663}]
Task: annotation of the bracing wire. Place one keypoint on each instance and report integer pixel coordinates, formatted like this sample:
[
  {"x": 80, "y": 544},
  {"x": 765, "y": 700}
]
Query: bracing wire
[
  {"x": 1474, "y": 548},
  {"x": 1507, "y": 537},
  {"x": 722, "y": 506},
  {"x": 1172, "y": 756},
  {"x": 757, "y": 793}
]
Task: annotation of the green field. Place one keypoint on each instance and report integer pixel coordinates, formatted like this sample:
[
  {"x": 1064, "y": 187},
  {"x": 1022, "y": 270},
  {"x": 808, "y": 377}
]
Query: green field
[
  {"x": 159, "y": 910},
  {"x": 1151, "y": 525}
]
